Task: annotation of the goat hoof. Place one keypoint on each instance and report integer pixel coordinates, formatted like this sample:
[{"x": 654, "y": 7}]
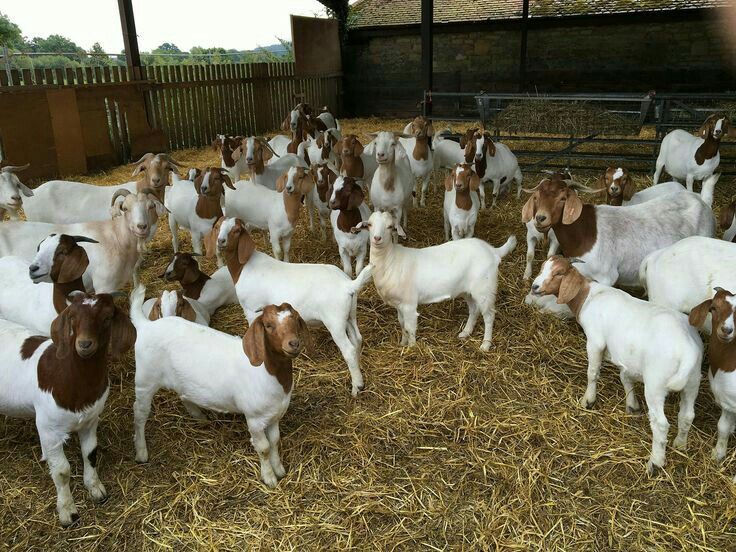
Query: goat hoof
[
  {"x": 633, "y": 411},
  {"x": 142, "y": 458},
  {"x": 270, "y": 481},
  {"x": 587, "y": 403},
  {"x": 653, "y": 469},
  {"x": 485, "y": 346},
  {"x": 73, "y": 519},
  {"x": 463, "y": 335},
  {"x": 717, "y": 455},
  {"x": 679, "y": 444}
]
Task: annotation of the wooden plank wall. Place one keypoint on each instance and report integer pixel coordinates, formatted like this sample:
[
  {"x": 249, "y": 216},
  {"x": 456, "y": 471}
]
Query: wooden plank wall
[{"x": 113, "y": 119}]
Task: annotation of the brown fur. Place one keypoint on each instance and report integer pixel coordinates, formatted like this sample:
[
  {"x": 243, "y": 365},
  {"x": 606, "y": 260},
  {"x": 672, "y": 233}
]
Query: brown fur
[
  {"x": 155, "y": 313},
  {"x": 322, "y": 187},
  {"x": 464, "y": 183},
  {"x": 570, "y": 287},
  {"x": 74, "y": 381},
  {"x": 293, "y": 201},
  {"x": 727, "y": 214},
  {"x": 226, "y": 148},
  {"x": 275, "y": 343},
  {"x": 350, "y": 150},
  {"x": 209, "y": 205},
  {"x": 184, "y": 309},
  {"x": 210, "y": 240},
  {"x": 709, "y": 148},
  {"x": 722, "y": 355},
  {"x": 238, "y": 249},
  {"x": 186, "y": 271},
  {"x": 348, "y": 201},
  {"x": 30, "y": 345},
  {"x": 625, "y": 186},
  {"x": 70, "y": 262}
]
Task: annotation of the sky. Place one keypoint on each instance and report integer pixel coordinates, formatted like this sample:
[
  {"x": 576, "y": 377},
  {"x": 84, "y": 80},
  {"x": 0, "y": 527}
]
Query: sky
[{"x": 243, "y": 24}]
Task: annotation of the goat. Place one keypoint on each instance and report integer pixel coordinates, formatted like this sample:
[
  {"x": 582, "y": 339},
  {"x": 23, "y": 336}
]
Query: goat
[
  {"x": 323, "y": 177},
  {"x": 225, "y": 146},
  {"x": 197, "y": 205},
  {"x": 253, "y": 376},
  {"x": 419, "y": 148},
  {"x": 257, "y": 152},
  {"x": 324, "y": 148},
  {"x": 647, "y": 342},
  {"x": 355, "y": 161},
  {"x": 728, "y": 221},
  {"x": 461, "y": 202},
  {"x": 346, "y": 199},
  {"x": 722, "y": 357},
  {"x": 174, "y": 303},
  {"x": 682, "y": 275},
  {"x": 494, "y": 163},
  {"x": 212, "y": 292},
  {"x": 690, "y": 158},
  {"x": 64, "y": 202},
  {"x": 12, "y": 191},
  {"x": 277, "y": 211},
  {"x": 63, "y": 384},
  {"x": 303, "y": 114},
  {"x": 447, "y": 151},
  {"x": 56, "y": 271},
  {"x": 613, "y": 241},
  {"x": 260, "y": 280},
  {"x": 121, "y": 239},
  {"x": 405, "y": 277},
  {"x": 393, "y": 182}
]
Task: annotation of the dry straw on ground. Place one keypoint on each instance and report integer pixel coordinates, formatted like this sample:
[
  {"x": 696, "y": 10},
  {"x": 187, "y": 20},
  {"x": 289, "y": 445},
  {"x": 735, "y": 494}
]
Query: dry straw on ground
[{"x": 447, "y": 448}]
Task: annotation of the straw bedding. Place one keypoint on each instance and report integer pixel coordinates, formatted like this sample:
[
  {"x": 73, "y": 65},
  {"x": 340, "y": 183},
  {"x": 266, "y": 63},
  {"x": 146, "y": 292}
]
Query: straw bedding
[{"x": 447, "y": 447}]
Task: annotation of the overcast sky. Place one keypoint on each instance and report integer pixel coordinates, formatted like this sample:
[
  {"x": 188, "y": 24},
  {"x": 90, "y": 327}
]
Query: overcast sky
[{"x": 240, "y": 24}]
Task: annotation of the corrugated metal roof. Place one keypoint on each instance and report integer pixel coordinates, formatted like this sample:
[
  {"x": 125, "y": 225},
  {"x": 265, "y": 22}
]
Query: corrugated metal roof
[{"x": 380, "y": 13}]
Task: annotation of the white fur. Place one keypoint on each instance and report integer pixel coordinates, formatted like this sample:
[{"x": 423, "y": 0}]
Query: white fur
[
  {"x": 420, "y": 168},
  {"x": 460, "y": 223},
  {"x": 181, "y": 201},
  {"x": 406, "y": 277},
  {"x": 393, "y": 164},
  {"x": 350, "y": 245},
  {"x": 168, "y": 307},
  {"x": 207, "y": 369},
  {"x": 12, "y": 191},
  {"x": 218, "y": 291},
  {"x": 501, "y": 169}
]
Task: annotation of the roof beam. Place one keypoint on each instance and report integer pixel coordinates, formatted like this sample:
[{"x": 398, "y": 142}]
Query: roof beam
[
  {"x": 130, "y": 40},
  {"x": 427, "y": 53}
]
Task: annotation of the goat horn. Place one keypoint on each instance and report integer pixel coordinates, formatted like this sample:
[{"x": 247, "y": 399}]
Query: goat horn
[
  {"x": 265, "y": 143},
  {"x": 582, "y": 188},
  {"x": 531, "y": 190},
  {"x": 147, "y": 190},
  {"x": 171, "y": 159},
  {"x": 83, "y": 239},
  {"x": 15, "y": 168},
  {"x": 145, "y": 157},
  {"x": 122, "y": 192}
]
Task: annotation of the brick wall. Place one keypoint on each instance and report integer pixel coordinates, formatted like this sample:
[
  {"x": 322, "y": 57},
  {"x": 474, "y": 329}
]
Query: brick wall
[{"x": 383, "y": 72}]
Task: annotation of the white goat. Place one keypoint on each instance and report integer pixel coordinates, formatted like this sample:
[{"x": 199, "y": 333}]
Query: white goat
[
  {"x": 212, "y": 292},
  {"x": 196, "y": 205},
  {"x": 647, "y": 342},
  {"x": 690, "y": 158},
  {"x": 174, "y": 354},
  {"x": 63, "y": 202},
  {"x": 261, "y": 280},
  {"x": 270, "y": 172},
  {"x": 115, "y": 260},
  {"x": 393, "y": 183},
  {"x": 494, "y": 163},
  {"x": 461, "y": 202},
  {"x": 34, "y": 295},
  {"x": 405, "y": 277},
  {"x": 174, "y": 303},
  {"x": 63, "y": 384},
  {"x": 419, "y": 150},
  {"x": 346, "y": 199},
  {"x": 12, "y": 191},
  {"x": 277, "y": 211}
]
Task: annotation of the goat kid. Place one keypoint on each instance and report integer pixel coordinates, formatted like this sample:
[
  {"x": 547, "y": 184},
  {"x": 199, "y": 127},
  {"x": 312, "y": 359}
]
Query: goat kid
[
  {"x": 421, "y": 158},
  {"x": 173, "y": 303},
  {"x": 461, "y": 202},
  {"x": 212, "y": 292},
  {"x": 494, "y": 163},
  {"x": 347, "y": 201}
]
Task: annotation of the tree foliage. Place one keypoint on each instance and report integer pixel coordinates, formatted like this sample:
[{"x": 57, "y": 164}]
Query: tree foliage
[{"x": 10, "y": 34}]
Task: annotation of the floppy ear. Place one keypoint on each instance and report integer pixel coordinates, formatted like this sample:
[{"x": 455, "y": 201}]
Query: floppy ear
[
  {"x": 430, "y": 130},
  {"x": 186, "y": 311},
  {"x": 474, "y": 182},
  {"x": 253, "y": 342},
  {"x": 491, "y": 145},
  {"x": 74, "y": 266},
  {"x": 138, "y": 169},
  {"x": 123, "y": 334},
  {"x": 528, "y": 211},
  {"x": 570, "y": 286},
  {"x": 266, "y": 154},
  {"x": 400, "y": 151},
  {"x": 61, "y": 333},
  {"x": 400, "y": 231},
  {"x": 727, "y": 214},
  {"x": 210, "y": 240},
  {"x": 237, "y": 152},
  {"x": 155, "y": 313},
  {"x": 698, "y": 315},
  {"x": 602, "y": 180},
  {"x": 450, "y": 181},
  {"x": 198, "y": 181},
  {"x": 307, "y": 183},
  {"x": 627, "y": 187},
  {"x": 227, "y": 179},
  {"x": 246, "y": 246},
  {"x": 706, "y": 128},
  {"x": 357, "y": 149},
  {"x": 25, "y": 190},
  {"x": 356, "y": 197},
  {"x": 281, "y": 182},
  {"x": 286, "y": 124},
  {"x": 363, "y": 225},
  {"x": 573, "y": 208}
]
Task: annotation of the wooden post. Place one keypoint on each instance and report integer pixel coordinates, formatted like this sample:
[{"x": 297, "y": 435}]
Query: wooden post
[
  {"x": 427, "y": 54},
  {"x": 524, "y": 36},
  {"x": 130, "y": 39}
]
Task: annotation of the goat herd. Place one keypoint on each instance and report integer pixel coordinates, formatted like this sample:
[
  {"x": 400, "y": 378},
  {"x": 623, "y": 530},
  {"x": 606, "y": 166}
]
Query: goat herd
[{"x": 81, "y": 244}]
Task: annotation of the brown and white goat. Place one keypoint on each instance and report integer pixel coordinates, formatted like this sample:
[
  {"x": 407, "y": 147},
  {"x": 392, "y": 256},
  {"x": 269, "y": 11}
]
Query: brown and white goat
[
  {"x": 618, "y": 184},
  {"x": 419, "y": 148},
  {"x": 62, "y": 382},
  {"x": 212, "y": 292},
  {"x": 461, "y": 202}
]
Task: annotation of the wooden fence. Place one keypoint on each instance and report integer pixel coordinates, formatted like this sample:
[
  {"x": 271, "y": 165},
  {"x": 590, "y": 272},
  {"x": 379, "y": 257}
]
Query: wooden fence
[{"x": 93, "y": 117}]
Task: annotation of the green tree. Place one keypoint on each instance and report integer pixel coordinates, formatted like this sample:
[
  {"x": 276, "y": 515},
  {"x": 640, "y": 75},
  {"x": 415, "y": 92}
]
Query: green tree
[
  {"x": 56, "y": 44},
  {"x": 98, "y": 57},
  {"x": 10, "y": 34}
]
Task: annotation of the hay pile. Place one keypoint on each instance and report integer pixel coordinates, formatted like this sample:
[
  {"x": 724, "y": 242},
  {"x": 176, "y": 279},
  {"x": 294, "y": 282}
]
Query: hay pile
[{"x": 447, "y": 448}]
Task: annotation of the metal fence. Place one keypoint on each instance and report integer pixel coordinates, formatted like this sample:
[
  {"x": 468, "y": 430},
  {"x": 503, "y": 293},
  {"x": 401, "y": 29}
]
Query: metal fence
[{"x": 587, "y": 131}]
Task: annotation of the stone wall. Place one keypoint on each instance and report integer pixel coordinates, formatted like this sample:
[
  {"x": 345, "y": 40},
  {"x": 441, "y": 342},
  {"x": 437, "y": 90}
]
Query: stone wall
[{"x": 383, "y": 72}]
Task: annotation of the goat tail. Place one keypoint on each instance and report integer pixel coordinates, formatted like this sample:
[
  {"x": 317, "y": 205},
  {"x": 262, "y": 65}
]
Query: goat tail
[
  {"x": 508, "y": 247},
  {"x": 137, "y": 296},
  {"x": 362, "y": 279},
  {"x": 688, "y": 365}
]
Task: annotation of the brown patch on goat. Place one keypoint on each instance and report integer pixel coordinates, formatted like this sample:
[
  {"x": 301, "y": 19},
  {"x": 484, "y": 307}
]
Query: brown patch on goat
[
  {"x": 186, "y": 271},
  {"x": 274, "y": 340},
  {"x": 348, "y": 201},
  {"x": 721, "y": 354},
  {"x": 30, "y": 345},
  {"x": 76, "y": 382},
  {"x": 238, "y": 249},
  {"x": 619, "y": 190},
  {"x": 350, "y": 150},
  {"x": 70, "y": 262},
  {"x": 709, "y": 148},
  {"x": 226, "y": 148},
  {"x": 293, "y": 201},
  {"x": 465, "y": 183},
  {"x": 567, "y": 284},
  {"x": 209, "y": 205}
]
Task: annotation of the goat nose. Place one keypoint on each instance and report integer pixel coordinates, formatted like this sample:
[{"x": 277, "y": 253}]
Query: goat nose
[
  {"x": 295, "y": 343},
  {"x": 142, "y": 226},
  {"x": 86, "y": 344},
  {"x": 33, "y": 268},
  {"x": 535, "y": 287},
  {"x": 541, "y": 218},
  {"x": 15, "y": 198},
  {"x": 727, "y": 331}
]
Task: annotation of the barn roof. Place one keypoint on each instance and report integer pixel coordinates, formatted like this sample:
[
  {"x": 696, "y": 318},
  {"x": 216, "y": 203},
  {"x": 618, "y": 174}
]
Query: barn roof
[{"x": 381, "y": 13}]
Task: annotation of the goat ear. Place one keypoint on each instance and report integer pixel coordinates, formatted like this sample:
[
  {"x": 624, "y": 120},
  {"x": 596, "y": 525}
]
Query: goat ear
[
  {"x": 363, "y": 225},
  {"x": 698, "y": 315},
  {"x": 570, "y": 286},
  {"x": 62, "y": 333},
  {"x": 246, "y": 246},
  {"x": 198, "y": 181},
  {"x": 400, "y": 151},
  {"x": 187, "y": 312},
  {"x": 474, "y": 182},
  {"x": 356, "y": 198},
  {"x": 73, "y": 266},
  {"x": 155, "y": 313},
  {"x": 528, "y": 211},
  {"x": 253, "y": 342},
  {"x": 266, "y": 154},
  {"x": 727, "y": 214},
  {"x": 25, "y": 190},
  {"x": 357, "y": 149},
  {"x": 491, "y": 145},
  {"x": 573, "y": 208},
  {"x": 281, "y": 182},
  {"x": 430, "y": 130},
  {"x": 123, "y": 334},
  {"x": 627, "y": 187},
  {"x": 286, "y": 124},
  {"x": 138, "y": 169},
  {"x": 210, "y": 242},
  {"x": 227, "y": 179},
  {"x": 237, "y": 153},
  {"x": 706, "y": 127},
  {"x": 601, "y": 183},
  {"x": 450, "y": 181},
  {"x": 400, "y": 231}
]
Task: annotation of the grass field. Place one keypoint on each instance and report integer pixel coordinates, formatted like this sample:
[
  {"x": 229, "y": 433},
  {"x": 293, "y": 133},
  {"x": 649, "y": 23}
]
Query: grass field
[{"x": 447, "y": 447}]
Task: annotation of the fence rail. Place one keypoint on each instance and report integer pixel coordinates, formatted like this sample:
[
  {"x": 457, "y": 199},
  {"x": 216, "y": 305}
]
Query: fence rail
[{"x": 191, "y": 104}]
